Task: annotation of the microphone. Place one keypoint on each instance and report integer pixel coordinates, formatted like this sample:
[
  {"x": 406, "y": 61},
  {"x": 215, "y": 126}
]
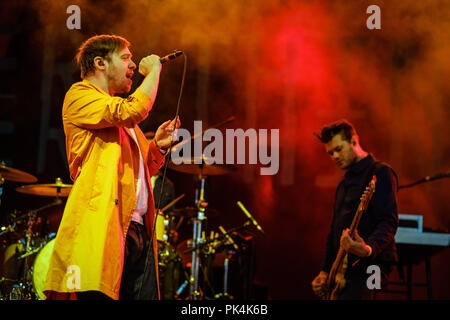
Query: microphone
[
  {"x": 250, "y": 216},
  {"x": 171, "y": 56}
]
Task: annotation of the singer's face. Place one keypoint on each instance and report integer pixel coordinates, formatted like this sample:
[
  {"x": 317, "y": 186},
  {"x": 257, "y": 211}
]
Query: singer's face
[{"x": 120, "y": 70}]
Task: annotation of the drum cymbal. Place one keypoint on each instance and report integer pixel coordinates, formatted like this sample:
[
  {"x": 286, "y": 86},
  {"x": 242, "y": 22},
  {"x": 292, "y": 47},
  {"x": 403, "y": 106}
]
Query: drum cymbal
[
  {"x": 197, "y": 165},
  {"x": 192, "y": 212},
  {"x": 57, "y": 189},
  {"x": 15, "y": 175}
]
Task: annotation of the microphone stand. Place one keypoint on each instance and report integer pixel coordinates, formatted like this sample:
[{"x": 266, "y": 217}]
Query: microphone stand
[{"x": 426, "y": 179}]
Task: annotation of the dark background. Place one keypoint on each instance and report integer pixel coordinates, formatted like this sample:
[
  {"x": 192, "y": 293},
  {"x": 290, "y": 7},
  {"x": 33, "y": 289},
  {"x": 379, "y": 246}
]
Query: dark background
[{"x": 287, "y": 65}]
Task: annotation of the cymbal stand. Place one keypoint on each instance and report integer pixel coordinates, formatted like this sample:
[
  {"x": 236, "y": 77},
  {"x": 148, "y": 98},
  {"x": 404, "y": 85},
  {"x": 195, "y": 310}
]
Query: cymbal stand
[
  {"x": 224, "y": 294},
  {"x": 24, "y": 290},
  {"x": 2, "y": 181},
  {"x": 24, "y": 286},
  {"x": 197, "y": 239}
]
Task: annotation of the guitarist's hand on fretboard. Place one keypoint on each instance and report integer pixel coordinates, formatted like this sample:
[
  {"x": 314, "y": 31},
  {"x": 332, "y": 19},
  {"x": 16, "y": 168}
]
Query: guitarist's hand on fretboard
[{"x": 355, "y": 246}]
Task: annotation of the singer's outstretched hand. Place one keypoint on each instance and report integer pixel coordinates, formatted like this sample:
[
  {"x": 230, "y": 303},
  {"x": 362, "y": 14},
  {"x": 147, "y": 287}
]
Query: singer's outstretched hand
[{"x": 163, "y": 135}]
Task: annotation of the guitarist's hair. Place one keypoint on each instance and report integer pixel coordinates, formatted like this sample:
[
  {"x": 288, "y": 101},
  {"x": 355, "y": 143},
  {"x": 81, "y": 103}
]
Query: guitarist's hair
[{"x": 343, "y": 127}]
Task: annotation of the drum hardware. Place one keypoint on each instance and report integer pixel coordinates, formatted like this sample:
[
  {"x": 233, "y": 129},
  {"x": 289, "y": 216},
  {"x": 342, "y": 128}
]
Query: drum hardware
[
  {"x": 208, "y": 249},
  {"x": 3, "y": 279},
  {"x": 171, "y": 203},
  {"x": 228, "y": 254},
  {"x": 225, "y": 295},
  {"x": 202, "y": 167},
  {"x": 250, "y": 217},
  {"x": 191, "y": 212},
  {"x": 9, "y": 228},
  {"x": 181, "y": 289},
  {"x": 19, "y": 292},
  {"x": 171, "y": 269},
  {"x": 218, "y": 239},
  {"x": 23, "y": 289},
  {"x": 2, "y": 181},
  {"x": 197, "y": 239},
  {"x": 29, "y": 253}
]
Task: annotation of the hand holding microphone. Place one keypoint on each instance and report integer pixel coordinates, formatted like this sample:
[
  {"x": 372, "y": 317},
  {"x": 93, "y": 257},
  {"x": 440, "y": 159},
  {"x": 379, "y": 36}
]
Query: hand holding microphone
[
  {"x": 149, "y": 63},
  {"x": 153, "y": 61}
]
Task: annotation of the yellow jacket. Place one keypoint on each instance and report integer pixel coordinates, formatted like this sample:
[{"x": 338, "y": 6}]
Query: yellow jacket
[{"x": 104, "y": 162}]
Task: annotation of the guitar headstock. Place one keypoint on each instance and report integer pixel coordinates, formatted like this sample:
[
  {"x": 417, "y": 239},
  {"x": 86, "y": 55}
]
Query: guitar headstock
[{"x": 368, "y": 193}]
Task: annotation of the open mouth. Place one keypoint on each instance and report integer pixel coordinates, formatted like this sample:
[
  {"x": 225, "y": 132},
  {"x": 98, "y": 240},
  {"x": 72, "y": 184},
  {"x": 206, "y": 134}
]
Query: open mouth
[{"x": 129, "y": 75}]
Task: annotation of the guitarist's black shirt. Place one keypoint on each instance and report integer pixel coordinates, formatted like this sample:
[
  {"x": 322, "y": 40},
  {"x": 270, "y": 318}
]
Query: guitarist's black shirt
[{"x": 378, "y": 223}]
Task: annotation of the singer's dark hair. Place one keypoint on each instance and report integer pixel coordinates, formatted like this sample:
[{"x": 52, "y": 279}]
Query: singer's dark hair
[
  {"x": 342, "y": 127},
  {"x": 98, "y": 46}
]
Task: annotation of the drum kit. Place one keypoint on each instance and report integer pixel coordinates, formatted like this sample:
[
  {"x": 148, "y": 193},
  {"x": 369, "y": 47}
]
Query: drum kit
[
  {"x": 185, "y": 267},
  {"x": 27, "y": 241}
]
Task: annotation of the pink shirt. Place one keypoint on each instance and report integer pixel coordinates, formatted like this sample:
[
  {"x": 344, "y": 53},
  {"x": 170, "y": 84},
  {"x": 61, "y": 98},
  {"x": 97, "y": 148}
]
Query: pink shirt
[{"x": 141, "y": 190}]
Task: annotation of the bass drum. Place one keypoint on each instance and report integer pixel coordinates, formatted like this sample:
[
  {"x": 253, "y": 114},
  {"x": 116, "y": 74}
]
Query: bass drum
[{"x": 40, "y": 269}]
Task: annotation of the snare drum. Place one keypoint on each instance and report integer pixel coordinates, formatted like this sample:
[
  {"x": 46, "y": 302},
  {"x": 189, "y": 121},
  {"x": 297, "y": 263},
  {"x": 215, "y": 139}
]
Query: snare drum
[{"x": 40, "y": 268}]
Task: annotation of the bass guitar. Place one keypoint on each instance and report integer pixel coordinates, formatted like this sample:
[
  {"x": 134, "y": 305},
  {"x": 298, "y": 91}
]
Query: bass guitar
[{"x": 335, "y": 281}]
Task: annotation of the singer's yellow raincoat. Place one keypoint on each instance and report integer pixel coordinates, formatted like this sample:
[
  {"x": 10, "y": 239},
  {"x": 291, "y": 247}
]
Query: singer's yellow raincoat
[{"x": 104, "y": 162}]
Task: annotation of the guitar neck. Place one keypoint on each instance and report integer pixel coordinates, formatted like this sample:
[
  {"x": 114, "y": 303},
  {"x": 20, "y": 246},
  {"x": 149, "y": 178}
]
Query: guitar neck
[{"x": 356, "y": 219}]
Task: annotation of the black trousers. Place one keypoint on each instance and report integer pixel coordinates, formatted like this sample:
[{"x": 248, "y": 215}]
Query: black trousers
[
  {"x": 134, "y": 273},
  {"x": 138, "y": 282}
]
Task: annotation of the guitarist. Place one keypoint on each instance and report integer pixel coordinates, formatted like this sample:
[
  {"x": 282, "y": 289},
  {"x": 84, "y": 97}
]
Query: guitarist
[{"x": 373, "y": 243}]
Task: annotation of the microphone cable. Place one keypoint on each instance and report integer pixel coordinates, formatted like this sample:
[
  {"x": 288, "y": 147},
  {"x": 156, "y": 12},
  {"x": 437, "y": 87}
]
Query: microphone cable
[{"x": 158, "y": 203}]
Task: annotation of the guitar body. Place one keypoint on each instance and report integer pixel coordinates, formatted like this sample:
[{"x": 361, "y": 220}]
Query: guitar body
[
  {"x": 339, "y": 281},
  {"x": 335, "y": 282}
]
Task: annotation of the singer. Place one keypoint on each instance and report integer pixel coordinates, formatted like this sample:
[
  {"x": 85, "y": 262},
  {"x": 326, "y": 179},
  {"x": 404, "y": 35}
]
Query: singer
[{"x": 101, "y": 245}]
